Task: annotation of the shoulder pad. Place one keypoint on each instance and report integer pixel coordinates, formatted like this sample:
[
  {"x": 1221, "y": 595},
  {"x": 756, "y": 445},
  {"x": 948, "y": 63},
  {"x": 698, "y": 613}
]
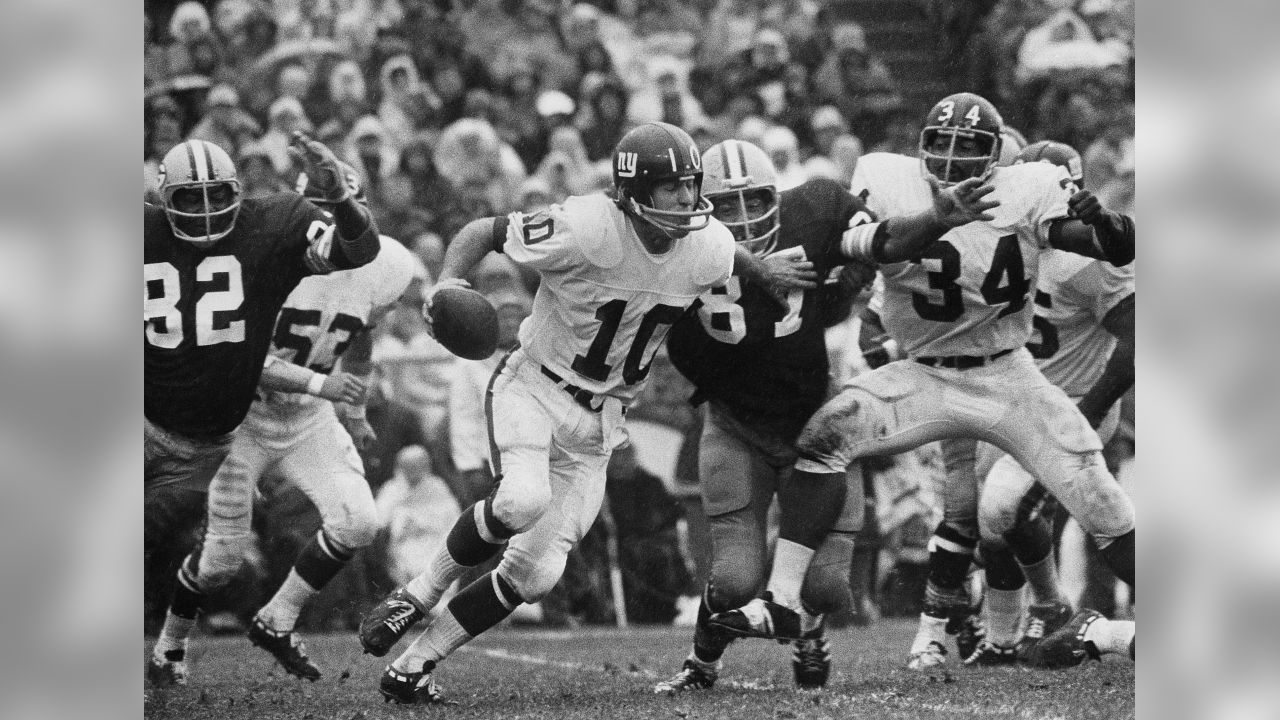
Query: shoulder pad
[
  {"x": 596, "y": 225},
  {"x": 1022, "y": 188}
]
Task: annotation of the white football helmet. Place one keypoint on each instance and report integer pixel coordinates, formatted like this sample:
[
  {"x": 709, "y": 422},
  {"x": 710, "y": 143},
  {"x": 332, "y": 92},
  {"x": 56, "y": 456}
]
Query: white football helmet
[
  {"x": 200, "y": 192},
  {"x": 733, "y": 169}
]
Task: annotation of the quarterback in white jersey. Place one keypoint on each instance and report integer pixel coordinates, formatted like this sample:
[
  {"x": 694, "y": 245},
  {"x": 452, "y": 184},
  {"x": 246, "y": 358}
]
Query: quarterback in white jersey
[
  {"x": 961, "y": 310},
  {"x": 299, "y": 437},
  {"x": 616, "y": 273}
]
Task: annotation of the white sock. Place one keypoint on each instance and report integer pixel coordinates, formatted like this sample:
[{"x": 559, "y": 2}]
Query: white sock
[
  {"x": 1003, "y": 611},
  {"x": 173, "y": 636},
  {"x": 790, "y": 564},
  {"x": 1111, "y": 636},
  {"x": 281, "y": 614},
  {"x": 437, "y": 642},
  {"x": 430, "y": 585},
  {"x": 930, "y": 629}
]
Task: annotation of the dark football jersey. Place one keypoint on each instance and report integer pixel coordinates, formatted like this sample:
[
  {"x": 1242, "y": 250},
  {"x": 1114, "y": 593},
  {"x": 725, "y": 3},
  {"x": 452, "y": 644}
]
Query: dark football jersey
[
  {"x": 209, "y": 313},
  {"x": 768, "y": 362}
]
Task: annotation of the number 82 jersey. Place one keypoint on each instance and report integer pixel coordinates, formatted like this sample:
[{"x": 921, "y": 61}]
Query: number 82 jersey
[{"x": 767, "y": 362}]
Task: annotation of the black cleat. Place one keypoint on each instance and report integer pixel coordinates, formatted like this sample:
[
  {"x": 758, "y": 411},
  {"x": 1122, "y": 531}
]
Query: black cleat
[
  {"x": 410, "y": 688},
  {"x": 693, "y": 675},
  {"x": 971, "y": 631},
  {"x": 389, "y": 621},
  {"x": 1067, "y": 647},
  {"x": 287, "y": 649},
  {"x": 760, "y": 618},
  {"x": 1043, "y": 619},
  {"x": 811, "y": 661}
]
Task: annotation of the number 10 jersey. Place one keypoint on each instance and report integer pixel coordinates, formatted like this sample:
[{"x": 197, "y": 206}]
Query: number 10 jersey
[{"x": 970, "y": 292}]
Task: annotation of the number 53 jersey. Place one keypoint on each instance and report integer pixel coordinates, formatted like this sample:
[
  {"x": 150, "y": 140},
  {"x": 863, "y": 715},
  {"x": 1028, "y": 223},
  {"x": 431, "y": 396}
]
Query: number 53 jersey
[
  {"x": 605, "y": 304},
  {"x": 971, "y": 291}
]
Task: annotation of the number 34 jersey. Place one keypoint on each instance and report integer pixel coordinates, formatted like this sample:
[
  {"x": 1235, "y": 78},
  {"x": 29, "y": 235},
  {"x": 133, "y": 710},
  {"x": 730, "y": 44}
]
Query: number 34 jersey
[
  {"x": 970, "y": 292},
  {"x": 765, "y": 361},
  {"x": 208, "y": 314},
  {"x": 605, "y": 304}
]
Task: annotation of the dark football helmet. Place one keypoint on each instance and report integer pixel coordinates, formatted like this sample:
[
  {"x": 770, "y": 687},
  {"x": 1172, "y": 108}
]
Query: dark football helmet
[
  {"x": 733, "y": 169},
  {"x": 652, "y": 153},
  {"x": 200, "y": 192},
  {"x": 1060, "y": 154},
  {"x": 309, "y": 190},
  {"x": 961, "y": 138}
]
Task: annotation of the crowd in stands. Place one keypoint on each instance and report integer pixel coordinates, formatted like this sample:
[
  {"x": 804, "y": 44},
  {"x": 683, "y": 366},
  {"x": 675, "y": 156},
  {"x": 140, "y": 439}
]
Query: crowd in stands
[{"x": 456, "y": 109}]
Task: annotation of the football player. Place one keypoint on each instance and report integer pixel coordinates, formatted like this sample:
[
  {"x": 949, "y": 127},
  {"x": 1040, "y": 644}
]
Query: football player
[
  {"x": 762, "y": 368},
  {"x": 1083, "y": 342},
  {"x": 961, "y": 309},
  {"x": 217, "y": 268},
  {"x": 293, "y": 432},
  {"x": 616, "y": 273}
]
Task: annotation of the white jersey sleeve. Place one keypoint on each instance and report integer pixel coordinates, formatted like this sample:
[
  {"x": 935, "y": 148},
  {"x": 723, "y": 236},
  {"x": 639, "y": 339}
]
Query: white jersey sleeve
[{"x": 548, "y": 239}]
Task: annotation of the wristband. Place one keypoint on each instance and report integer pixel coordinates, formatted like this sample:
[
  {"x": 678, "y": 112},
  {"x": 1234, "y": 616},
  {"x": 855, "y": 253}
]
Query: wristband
[{"x": 316, "y": 384}]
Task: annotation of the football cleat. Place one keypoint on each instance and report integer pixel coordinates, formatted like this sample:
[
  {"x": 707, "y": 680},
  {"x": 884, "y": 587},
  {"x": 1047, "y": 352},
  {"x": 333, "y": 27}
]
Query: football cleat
[
  {"x": 693, "y": 675},
  {"x": 169, "y": 670},
  {"x": 811, "y": 661},
  {"x": 410, "y": 688},
  {"x": 286, "y": 648},
  {"x": 1067, "y": 647},
  {"x": 760, "y": 618},
  {"x": 1042, "y": 619},
  {"x": 389, "y": 621},
  {"x": 990, "y": 654}
]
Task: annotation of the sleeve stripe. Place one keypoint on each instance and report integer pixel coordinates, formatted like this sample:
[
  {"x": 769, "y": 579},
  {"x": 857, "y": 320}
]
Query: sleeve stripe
[
  {"x": 500, "y": 226},
  {"x": 857, "y": 241}
]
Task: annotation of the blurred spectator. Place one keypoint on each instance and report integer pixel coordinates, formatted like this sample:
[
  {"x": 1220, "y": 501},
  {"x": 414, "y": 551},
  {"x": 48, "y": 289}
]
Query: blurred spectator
[
  {"x": 796, "y": 19},
  {"x": 604, "y": 120},
  {"x": 224, "y": 123},
  {"x": 396, "y": 424},
  {"x": 740, "y": 107},
  {"x": 418, "y": 369},
  {"x": 566, "y": 169},
  {"x": 727, "y": 32},
  {"x": 471, "y": 156},
  {"x": 164, "y": 127},
  {"x": 306, "y": 19},
  {"x": 667, "y": 98},
  {"x": 368, "y": 151},
  {"x": 258, "y": 177},
  {"x": 667, "y": 27},
  {"x": 451, "y": 89},
  {"x": 519, "y": 34},
  {"x": 415, "y": 508},
  {"x": 408, "y": 104},
  {"x": 858, "y": 83},
  {"x": 1103, "y": 156},
  {"x": 347, "y": 102},
  {"x": 836, "y": 152},
  {"x": 519, "y": 122},
  {"x": 828, "y": 125},
  {"x": 784, "y": 150},
  {"x": 195, "y": 49},
  {"x": 284, "y": 117},
  {"x": 902, "y": 136},
  {"x": 1065, "y": 41},
  {"x": 155, "y": 57}
]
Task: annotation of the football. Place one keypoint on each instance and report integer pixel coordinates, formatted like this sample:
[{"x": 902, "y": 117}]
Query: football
[{"x": 464, "y": 322}]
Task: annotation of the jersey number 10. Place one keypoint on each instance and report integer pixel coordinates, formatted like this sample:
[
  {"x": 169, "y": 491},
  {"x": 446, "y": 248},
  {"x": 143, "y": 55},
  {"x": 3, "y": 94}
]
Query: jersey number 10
[{"x": 635, "y": 368}]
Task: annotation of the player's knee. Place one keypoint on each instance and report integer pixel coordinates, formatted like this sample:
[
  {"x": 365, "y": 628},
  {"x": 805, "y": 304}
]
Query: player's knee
[
  {"x": 826, "y": 588},
  {"x": 220, "y": 561},
  {"x": 518, "y": 511},
  {"x": 995, "y": 518},
  {"x": 732, "y": 589},
  {"x": 823, "y": 442},
  {"x": 358, "y": 526},
  {"x": 531, "y": 579},
  {"x": 1097, "y": 501}
]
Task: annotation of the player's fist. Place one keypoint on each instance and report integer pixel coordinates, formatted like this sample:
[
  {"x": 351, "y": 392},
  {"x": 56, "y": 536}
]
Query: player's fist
[
  {"x": 962, "y": 203},
  {"x": 321, "y": 165},
  {"x": 343, "y": 387},
  {"x": 1085, "y": 206}
]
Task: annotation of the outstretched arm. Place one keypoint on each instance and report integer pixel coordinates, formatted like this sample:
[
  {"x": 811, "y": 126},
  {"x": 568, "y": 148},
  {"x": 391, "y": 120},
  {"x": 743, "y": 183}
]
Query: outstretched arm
[
  {"x": 282, "y": 376},
  {"x": 354, "y": 228},
  {"x": 777, "y": 274},
  {"x": 899, "y": 239}
]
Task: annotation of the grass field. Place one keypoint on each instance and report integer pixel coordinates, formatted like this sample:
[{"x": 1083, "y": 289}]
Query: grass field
[{"x": 603, "y": 673}]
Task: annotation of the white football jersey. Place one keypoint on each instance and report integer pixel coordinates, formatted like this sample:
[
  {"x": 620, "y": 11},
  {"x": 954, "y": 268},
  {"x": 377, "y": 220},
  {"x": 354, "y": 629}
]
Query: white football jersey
[
  {"x": 1075, "y": 294},
  {"x": 324, "y": 313},
  {"x": 970, "y": 293},
  {"x": 605, "y": 304}
]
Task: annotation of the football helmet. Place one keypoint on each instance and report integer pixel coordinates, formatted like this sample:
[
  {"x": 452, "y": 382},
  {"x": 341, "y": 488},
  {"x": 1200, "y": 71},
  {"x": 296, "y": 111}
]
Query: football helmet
[
  {"x": 200, "y": 192},
  {"x": 1011, "y": 143},
  {"x": 732, "y": 170},
  {"x": 652, "y": 153},
  {"x": 1060, "y": 154},
  {"x": 308, "y": 190},
  {"x": 956, "y": 118}
]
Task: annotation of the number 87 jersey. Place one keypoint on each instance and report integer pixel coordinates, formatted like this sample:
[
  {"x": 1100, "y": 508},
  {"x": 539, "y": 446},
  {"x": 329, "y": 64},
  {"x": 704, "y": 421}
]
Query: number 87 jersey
[{"x": 971, "y": 292}]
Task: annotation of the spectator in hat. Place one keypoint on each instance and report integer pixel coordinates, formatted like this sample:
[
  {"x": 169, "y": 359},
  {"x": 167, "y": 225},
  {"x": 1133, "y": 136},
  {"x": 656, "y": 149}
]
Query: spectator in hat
[
  {"x": 224, "y": 123},
  {"x": 408, "y": 104},
  {"x": 604, "y": 121},
  {"x": 283, "y": 118}
]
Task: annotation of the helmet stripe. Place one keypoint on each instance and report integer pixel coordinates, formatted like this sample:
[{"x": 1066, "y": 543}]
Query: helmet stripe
[
  {"x": 191, "y": 161},
  {"x": 200, "y": 161},
  {"x": 208, "y": 158},
  {"x": 742, "y": 157}
]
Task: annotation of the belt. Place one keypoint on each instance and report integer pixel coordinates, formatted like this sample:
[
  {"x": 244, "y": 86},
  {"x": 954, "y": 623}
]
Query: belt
[
  {"x": 580, "y": 396},
  {"x": 961, "y": 362}
]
